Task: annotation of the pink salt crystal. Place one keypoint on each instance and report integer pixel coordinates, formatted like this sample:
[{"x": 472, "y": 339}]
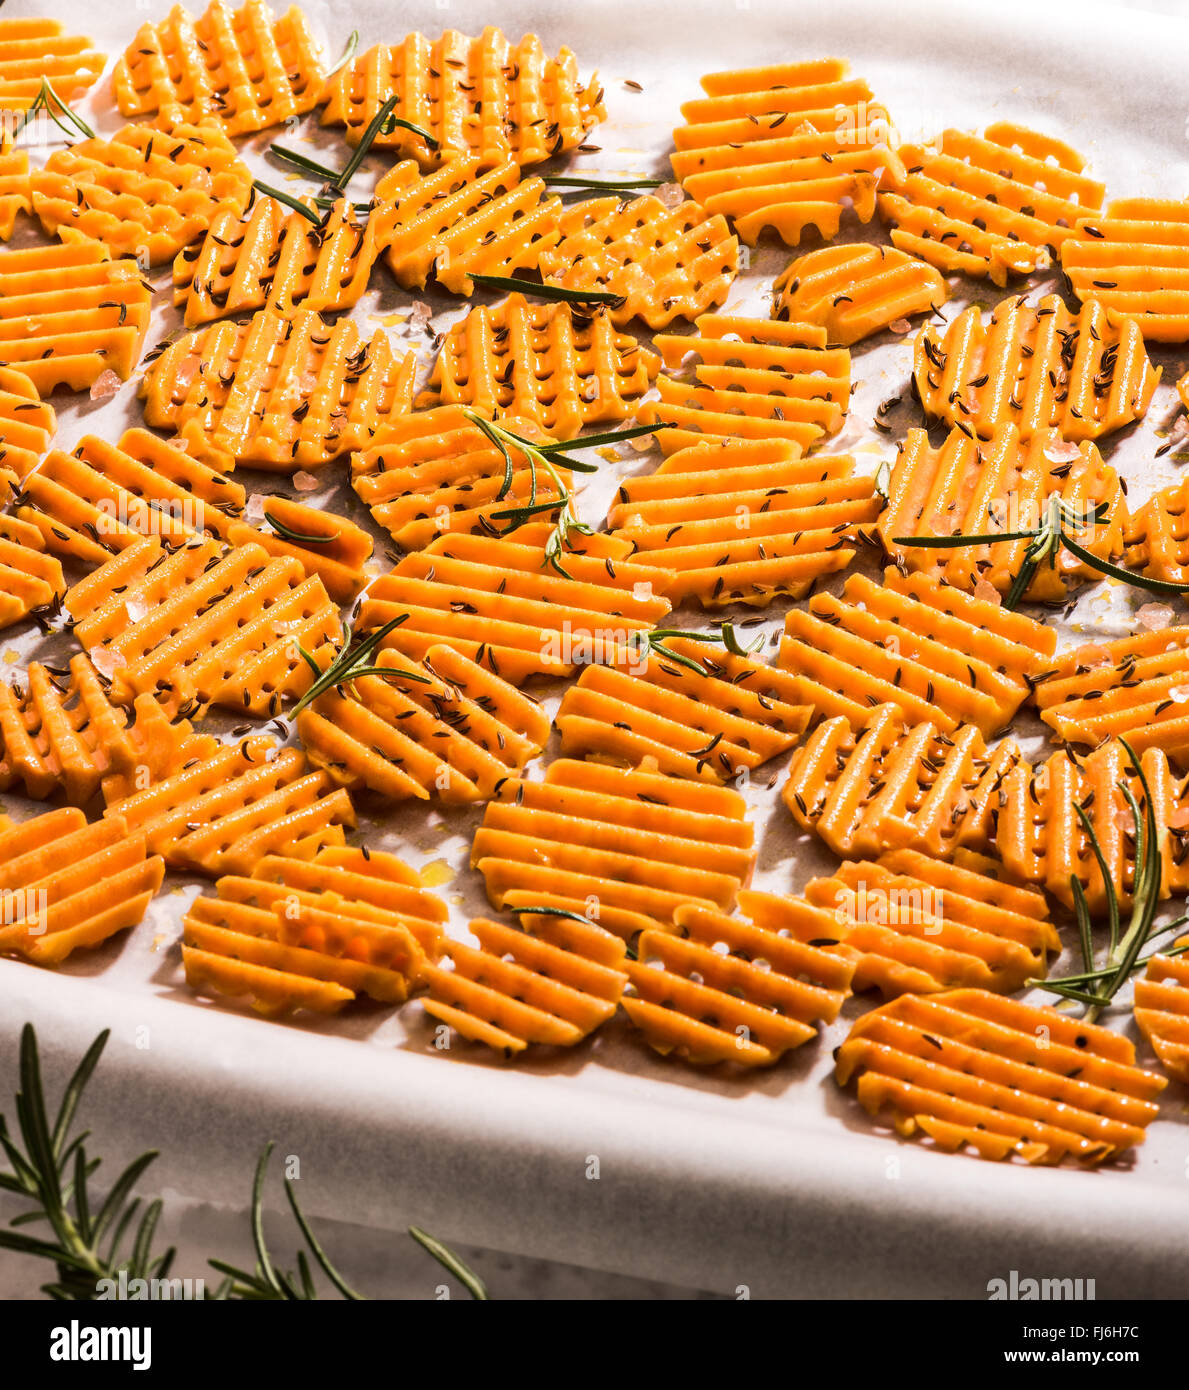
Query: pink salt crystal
[
  {"x": 1154, "y": 616},
  {"x": 305, "y": 482},
  {"x": 985, "y": 590},
  {"x": 1059, "y": 450},
  {"x": 106, "y": 384},
  {"x": 670, "y": 195}
]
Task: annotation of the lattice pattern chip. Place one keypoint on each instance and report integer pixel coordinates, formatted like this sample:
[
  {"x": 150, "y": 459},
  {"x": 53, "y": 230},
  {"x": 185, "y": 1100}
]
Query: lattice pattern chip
[
  {"x": 29, "y": 578},
  {"x": 1162, "y": 1009},
  {"x": 969, "y": 1069},
  {"x": 997, "y": 204},
  {"x": 27, "y": 424},
  {"x": 484, "y": 97},
  {"x": 34, "y": 49},
  {"x": 238, "y": 69}
]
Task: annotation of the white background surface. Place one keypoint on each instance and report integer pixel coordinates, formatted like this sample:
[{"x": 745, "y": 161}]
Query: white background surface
[{"x": 776, "y": 1183}]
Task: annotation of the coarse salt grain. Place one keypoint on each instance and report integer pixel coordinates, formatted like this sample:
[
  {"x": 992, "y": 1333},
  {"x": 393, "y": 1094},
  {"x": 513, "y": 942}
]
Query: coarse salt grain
[
  {"x": 305, "y": 482},
  {"x": 105, "y": 385},
  {"x": 1154, "y": 616}
]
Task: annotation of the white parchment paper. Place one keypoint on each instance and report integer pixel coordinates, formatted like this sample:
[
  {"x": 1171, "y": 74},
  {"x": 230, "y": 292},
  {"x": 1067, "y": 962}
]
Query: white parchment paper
[{"x": 776, "y": 1182}]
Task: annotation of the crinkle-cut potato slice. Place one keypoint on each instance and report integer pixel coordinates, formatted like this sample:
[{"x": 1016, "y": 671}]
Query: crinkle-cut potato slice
[
  {"x": 495, "y": 601},
  {"x": 744, "y": 520},
  {"x": 1162, "y": 1009},
  {"x": 971, "y": 487},
  {"x": 1158, "y": 533},
  {"x": 60, "y": 734},
  {"x": 998, "y": 204},
  {"x": 27, "y": 424},
  {"x": 1134, "y": 686},
  {"x": 277, "y": 392},
  {"x": 268, "y": 256},
  {"x": 889, "y": 786},
  {"x": 364, "y": 884},
  {"x": 29, "y": 578},
  {"x": 143, "y": 193},
  {"x": 225, "y": 813},
  {"x": 1035, "y": 366},
  {"x": 34, "y": 49},
  {"x": 941, "y": 655},
  {"x": 971, "y": 1070},
  {"x": 664, "y": 262},
  {"x": 721, "y": 989},
  {"x": 716, "y": 726},
  {"x": 68, "y": 313},
  {"x": 753, "y": 379},
  {"x": 202, "y": 625},
  {"x": 560, "y": 365},
  {"x": 785, "y": 147},
  {"x": 435, "y": 472},
  {"x": 16, "y": 191},
  {"x": 634, "y": 841},
  {"x": 474, "y": 96},
  {"x": 1134, "y": 260},
  {"x": 465, "y": 218},
  {"x": 240, "y": 69},
  {"x": 918, "y": 925},
  {"x": 554, "y": 982},
  {"x": 457, "y": 737},
  {"x": 1040, "y": 838},
  {"x": 68, "y": 885},
  {"x": 270, "y": 937},
  {"x": 96, "y": 501},
  {"x": 857, "y": 290}
]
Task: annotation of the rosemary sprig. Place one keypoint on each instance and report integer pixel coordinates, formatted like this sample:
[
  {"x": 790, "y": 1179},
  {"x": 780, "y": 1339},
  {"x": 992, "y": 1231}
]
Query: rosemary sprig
[
  {"x": 288, "y": 534},
  {"x": 514, "y": 284},
  {"x": 303, "y": 162},
  {"x": 45, "y": 100},
  {"x": 382, "y": 123},
  {"x": 726, "y": 636},
  {"x": 451, "y": 1263},
  {"x": 1095, "y": 986},
  {"x": 351, "y": 663},
  {"x": 347, "y": 54},
  {"x": 53, "y": 1171},
  {"x": 1045, "y": 542},
  {"x": 289, "y": 200}
]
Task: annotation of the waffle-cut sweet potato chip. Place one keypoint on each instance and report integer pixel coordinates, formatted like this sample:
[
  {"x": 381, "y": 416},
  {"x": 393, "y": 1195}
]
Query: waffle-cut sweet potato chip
[
  {"x": 60, "y": 734},
  {"x": 941, "y": 655},
  {"x": 743, "y": 520},
  {"x": 1158, "y": 534},
  {"x": 27, "y": 424},
  {"x": 997, "y": 204},
  {"x": 67, "y": 884},
  {"x": 96, "y": 501},
  {"x": 16, "y": 192},
  {"x": 1134, "y": 260},
  {"x": 716, "y": 726},
  {"x": 228, "y": 811},
  {"x": 238, "y": 69},
  {"x": 457, "y": 737},
  {"x": 466, "y": 217},
  {"x": 720, "y": 989},
  {"x": 68, "y": 313},
  {"x": 918, "y": 925},
  {"x": 969, "y": 487},
  {"x": 886, "y": 787},
  {"x": 856, "y": 290},
  {"x": 494, "y": 601},
  {"x": 202, "y": 625},
  {"x": 1183, "y": 390},
  {"x": 143, "y": 193},
  {"x": 1162, "y": 1009},
  {"x": 288, "y": 948},
  {"x": 483, "y": 96},
  {"x": 276, "y": 392},
  {"x": 555, "y": 982},
  {"x": 1136, "y": 686},
  {"x": 618, "y": 841},
  {"x": 435, "y": 472},
  {"x": 560, "y": 365},
  {"x": 29, "y": 578},
  {"x": 970, "y": 1069},
  {"x": 786, "y": 147},
  {"x": 666, "y": 263},
  {"x": 271, "y": 257},
  {"x": 1040, "y": 838},
  {"x": 1035, "y": 366},
  {"x": 32, "y": 50},
  {"x": 754, "y": 379}
]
